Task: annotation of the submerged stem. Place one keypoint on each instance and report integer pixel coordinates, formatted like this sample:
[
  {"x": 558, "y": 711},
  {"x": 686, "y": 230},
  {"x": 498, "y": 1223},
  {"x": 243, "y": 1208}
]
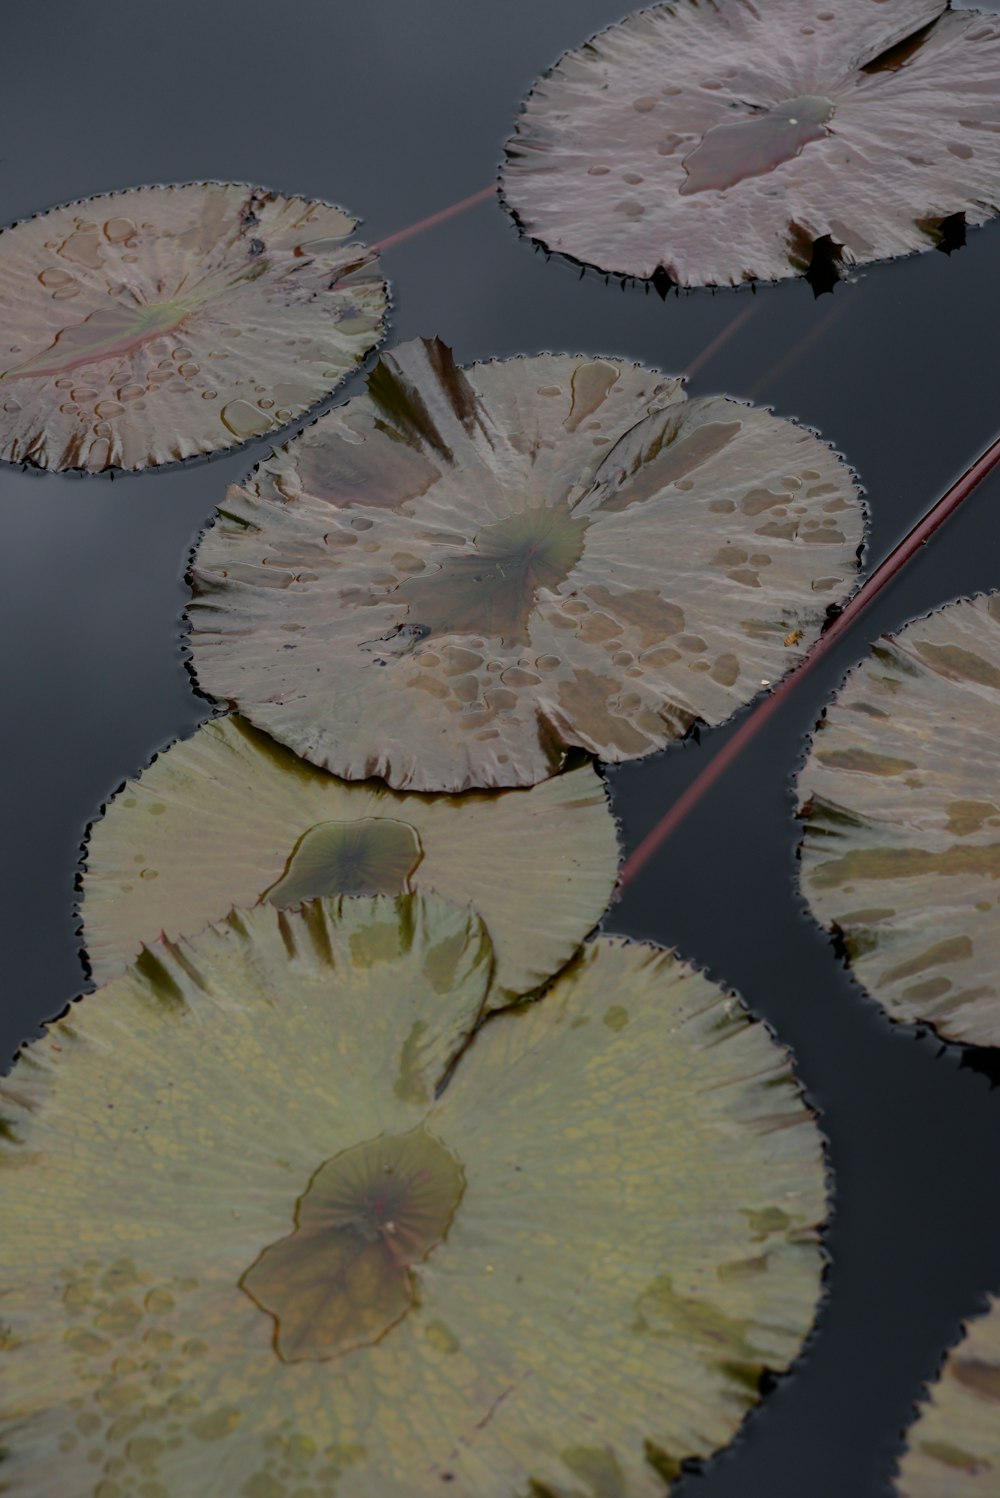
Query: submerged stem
[
  {"x": 433, "y": 219},
  {"x": 695, "y": 365}
]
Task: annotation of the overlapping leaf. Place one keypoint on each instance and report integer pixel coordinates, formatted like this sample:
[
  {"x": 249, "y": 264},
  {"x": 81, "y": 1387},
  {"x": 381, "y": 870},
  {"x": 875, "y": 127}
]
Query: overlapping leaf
[
  {"x": 229, "y": 818},
  {"x": 715, "y": 144},
  {"x": 453, "y": 578},
  {"x": 953, "y": 1450},
  {"x": 249, "y": 1250},
  {"x": 146, "y": 326},
  {"x": 901, "y": 850}
]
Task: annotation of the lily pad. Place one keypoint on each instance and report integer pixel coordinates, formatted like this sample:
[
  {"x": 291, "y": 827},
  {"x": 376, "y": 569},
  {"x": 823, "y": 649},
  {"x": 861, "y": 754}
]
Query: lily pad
[
  {"x": 229, "y": 817},
  {"x": 452, "y": 579},
  {"x": 901, "y": 812},
  {"x": 953, "y": 1450},
  {"x": 146, "y": 326},
  {"x": 252, "y": 1247},
  {"x": 716, "y": 144}
]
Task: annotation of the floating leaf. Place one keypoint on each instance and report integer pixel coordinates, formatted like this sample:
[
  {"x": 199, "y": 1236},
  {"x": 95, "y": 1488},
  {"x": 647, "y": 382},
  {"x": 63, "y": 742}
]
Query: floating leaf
[
  {"x": 150, "y": 325},
  {"x": 452, "y": 578},
  {"x": 715, "y": 144},
  {"x": 901, "y": 851},
  {"x": 250, "y": 1247},
  {"x": 231, "y": 818},
  {"x": 953, "y": 1450}
]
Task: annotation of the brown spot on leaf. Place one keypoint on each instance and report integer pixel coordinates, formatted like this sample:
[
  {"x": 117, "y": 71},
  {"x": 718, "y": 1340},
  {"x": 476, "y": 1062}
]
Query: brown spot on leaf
[
  {"x": 865, "y": 761},
  {"x": 725, "y": 670},
  {"x": 908, "y": 863},
  {"x": 969, "y": 816},
  {"x": 591, "y": 384},
  {"x": 586, "y": 700},
  {"x": 958, "y": 664},
  {"x": 643, "y": 610},
  {"x": 676, "y": 450},
  {"x": 953, "y": 949},
  {"x": 981, "y": 1377},
  {"x": 953, "y": 1456}
]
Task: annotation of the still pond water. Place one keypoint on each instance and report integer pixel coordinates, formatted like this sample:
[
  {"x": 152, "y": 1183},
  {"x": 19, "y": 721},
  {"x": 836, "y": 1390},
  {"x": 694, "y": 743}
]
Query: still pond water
[{"x": 396, "y": 110}]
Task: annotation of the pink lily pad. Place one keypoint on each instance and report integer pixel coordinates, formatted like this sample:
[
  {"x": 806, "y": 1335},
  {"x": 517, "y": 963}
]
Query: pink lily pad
[
  {"x": 450, "y": 581},
  {"x": 723, "y": 143}
]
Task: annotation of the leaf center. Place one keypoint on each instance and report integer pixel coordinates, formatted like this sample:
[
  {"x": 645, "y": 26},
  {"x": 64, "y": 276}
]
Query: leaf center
[
  {"x": 492, "y": 588},
  {"x": 369, "y": 856},
  {"x": 730, "y": 152},
  {"x": 344, "y": 1277},
  {"x": 105, "y": 334}
]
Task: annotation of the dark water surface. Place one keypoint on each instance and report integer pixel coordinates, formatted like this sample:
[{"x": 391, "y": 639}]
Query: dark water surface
[{"x": 396, "y": 109}]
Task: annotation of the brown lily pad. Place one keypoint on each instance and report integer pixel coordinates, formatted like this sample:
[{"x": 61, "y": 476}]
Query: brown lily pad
[
  {"x": 717, "y": 144},
  {"x": 900, "y": 804},
  {"x": 953, "y": 1449},
  {"x": 230, "y": 818},
  {"x": 454, "y": 578},
  {"x": 146, "y": 326}
]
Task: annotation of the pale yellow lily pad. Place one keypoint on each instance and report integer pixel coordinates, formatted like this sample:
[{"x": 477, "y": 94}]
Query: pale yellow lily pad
[
  {"x": 146, "y": 326},
  {"x": 229, "y": 817},
  {"x": 900, "y": 800},
  {"x": 453, "y": 579},
  {"x": 953, "y": 1449},
  {"x": 618, "y": 1189}
]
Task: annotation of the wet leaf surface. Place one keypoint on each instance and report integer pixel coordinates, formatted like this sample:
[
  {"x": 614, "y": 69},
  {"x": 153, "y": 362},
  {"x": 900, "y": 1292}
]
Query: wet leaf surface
[
  {"x": 145, "y": 326},
  {"x": 901, "y": 812},
  {"x": 370, "y": 856},
  {"x": 342, "y": 1279},
  {"x": 715, "y": 144},
  {"x": 249, "y": 1250},
  {"x": 454, "y": 578},
  {"x": 229, "y": 817},
  {"x": 953, "y": 1450}
]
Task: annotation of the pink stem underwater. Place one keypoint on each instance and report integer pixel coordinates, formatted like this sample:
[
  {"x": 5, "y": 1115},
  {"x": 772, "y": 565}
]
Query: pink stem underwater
[
  {"x": 434, "y": 219},
  {"x": 721, "y": 339}
]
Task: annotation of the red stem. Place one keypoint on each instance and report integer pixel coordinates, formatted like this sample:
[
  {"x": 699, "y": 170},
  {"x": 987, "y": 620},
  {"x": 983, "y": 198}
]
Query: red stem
[
  {"x": 748, "y": 730},
  {"x": 434, "y": 219}
]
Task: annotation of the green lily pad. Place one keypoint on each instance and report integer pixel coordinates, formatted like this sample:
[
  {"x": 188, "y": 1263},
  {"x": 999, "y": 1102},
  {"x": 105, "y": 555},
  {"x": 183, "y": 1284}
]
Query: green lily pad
[
  {"x": 901, "y": 813},
  {"x": 253, "y": 1246},
  {"x": 229, "y": 817},
  {"x": 716, "y": 144},
  {"x": 454, "y": 578},
  {"x": 953, "y": 1450},
  {"x": 145, "y": 326}
]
